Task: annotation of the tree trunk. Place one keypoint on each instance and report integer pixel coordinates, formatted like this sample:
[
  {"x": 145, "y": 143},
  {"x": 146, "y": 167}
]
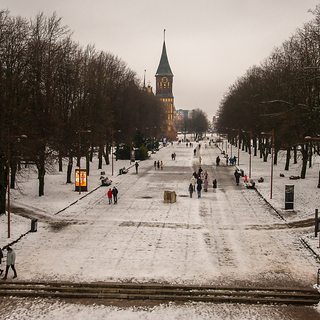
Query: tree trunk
[
  {"x": 13, "y": 174},
  {"x": 107, "y": 155},
  {"x": 275, "y": 159},
  {"x": 305, "y": 153},
  {"x": 288, "y": 159},
  {"x": 88, "y": 163},
  {"x": 60, "y": 162},
  {"x": 100, "y": 157},
  {"x": 69, "y": 170},
  {"x": 3, "y": 187},
  {"x": 41, "y": 173}
]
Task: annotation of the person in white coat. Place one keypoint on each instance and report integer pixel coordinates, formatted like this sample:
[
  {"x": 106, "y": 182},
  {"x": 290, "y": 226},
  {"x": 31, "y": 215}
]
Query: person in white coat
[{"x": 11, "y": 259}]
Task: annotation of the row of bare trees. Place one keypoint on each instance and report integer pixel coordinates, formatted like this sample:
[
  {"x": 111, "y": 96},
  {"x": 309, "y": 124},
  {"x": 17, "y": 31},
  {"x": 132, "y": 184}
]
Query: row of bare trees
[
  {"x": 51, "y": 88},
  {"x": 198, "y": 123},
  {"x": 283, "y": 93}
]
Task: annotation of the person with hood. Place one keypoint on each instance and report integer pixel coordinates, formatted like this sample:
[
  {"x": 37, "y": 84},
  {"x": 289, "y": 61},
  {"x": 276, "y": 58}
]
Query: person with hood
[{"x": 11, "y": 259}]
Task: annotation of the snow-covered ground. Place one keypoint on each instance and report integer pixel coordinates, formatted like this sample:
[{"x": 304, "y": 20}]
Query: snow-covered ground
[{"x": 142, "y": 239}]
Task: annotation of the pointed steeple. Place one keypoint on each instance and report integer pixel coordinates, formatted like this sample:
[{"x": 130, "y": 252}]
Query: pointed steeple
[{"x": 164, "y": 66}]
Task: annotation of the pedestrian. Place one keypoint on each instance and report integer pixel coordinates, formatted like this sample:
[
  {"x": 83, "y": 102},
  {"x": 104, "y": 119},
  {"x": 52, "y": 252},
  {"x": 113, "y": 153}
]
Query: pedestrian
[
  {"x": 206, "y": 174},
  {"x": 195, "y": 174},
  {"x": 237, "y": 175},
  {"x": 1, "y": 256},
  {"x": 199, "y": 172},
  {"x": 11, "y": 259},
  {"x": 199, "y": 187},
  {"x": 161, "y": 165},
  {"x": 158, "y": 164},
  {"x": 218, "y": 160},
  {"x": 136, "y": 165},
  {"x": 109, "y": 193},
  {"x": 115, "y": 195},
  {"x": 227, "y": 159},
  {"x": 174, "y": 156},
  {"x": 205, "y": 185},
  {"x": 200, "y": 160},
  {"x": 193, "y": 181},
  {"x": 190, "y": 189},
  {"x": 155, "y": 164},
  {"x": 194, "y": 151},
  {"x": 214, "y": 183}
]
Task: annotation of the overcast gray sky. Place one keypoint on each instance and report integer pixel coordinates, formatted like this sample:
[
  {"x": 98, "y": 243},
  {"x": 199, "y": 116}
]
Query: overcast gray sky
[{"x": 210, "y": 43}]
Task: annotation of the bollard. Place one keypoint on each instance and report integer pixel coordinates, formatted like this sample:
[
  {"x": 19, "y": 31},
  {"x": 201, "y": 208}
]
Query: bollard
[{"x": 34, "y": 223}]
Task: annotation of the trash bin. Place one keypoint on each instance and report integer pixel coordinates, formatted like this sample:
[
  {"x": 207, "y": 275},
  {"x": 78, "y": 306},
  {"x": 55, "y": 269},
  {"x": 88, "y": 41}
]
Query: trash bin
[{"x": 34, "y": 223}]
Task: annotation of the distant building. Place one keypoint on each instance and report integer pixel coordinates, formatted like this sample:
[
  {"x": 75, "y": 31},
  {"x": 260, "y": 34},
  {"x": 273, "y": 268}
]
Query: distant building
[{"x": 164, "y": 83}]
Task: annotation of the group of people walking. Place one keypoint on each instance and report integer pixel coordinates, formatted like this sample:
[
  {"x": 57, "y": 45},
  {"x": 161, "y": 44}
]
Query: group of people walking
[
  {"x": 196, "y": 181},
  {"x": 158, "y": 165},
  {"x": 11, "y": 259},
  {"x": 112, "y": 193}
]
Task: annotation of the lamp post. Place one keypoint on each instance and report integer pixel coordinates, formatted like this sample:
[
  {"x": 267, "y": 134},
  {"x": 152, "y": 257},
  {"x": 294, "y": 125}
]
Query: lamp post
[
  {"x": 272, "y": 147},
  {"x": 113, "y": 131},
  {"x": 8, "y": 172},
  {"x": 80, "y": 131},
  {"x": 310, "y": 139},
  {"x": 249, "y": 151}
]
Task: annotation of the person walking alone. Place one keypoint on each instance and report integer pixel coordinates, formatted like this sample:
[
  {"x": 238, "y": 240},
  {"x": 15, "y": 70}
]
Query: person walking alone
[
  {"x": 199, "y": 187},
  {"x": 136, "y": 165},
  {"x": 11, "y": 259},
  {"x": 190, "y": 189},
  {"x": 109, "y": 193}
]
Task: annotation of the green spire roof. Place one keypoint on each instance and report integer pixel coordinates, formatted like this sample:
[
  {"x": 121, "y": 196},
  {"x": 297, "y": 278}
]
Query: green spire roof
[{"x": 164, "y": 67}]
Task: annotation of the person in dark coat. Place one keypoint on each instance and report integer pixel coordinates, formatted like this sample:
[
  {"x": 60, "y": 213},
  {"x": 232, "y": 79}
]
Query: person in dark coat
[
  {"x": 214, "y": 183},
  {"x": 11, "y": 258},
  {"x": 190, "y": 189},
  {"x": 218, "y": 160},
  {"x": 1, "y": 256},
  {"x": 237, "y": 175},
  {"x": 136, "y": 165},
  {"x": 115, "y": 195},
  {"x": 158, "y": 164},
  {"x": 199, "y": 187}
]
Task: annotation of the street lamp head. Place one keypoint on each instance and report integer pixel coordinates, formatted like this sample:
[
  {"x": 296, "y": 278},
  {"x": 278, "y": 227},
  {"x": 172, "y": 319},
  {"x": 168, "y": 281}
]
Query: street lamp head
[
  {"x": 263, "y": 133},
  {"x": 307, "y": 138},
  {"x": 23, "y": 136}
]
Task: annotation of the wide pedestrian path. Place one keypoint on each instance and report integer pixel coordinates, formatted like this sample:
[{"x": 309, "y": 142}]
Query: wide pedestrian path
[{"x": 228, "y": 236}]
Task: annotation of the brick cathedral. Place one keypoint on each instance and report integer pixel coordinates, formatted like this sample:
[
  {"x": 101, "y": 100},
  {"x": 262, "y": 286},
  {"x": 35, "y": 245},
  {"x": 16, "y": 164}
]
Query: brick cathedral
[{"x": 164, "y": 82}]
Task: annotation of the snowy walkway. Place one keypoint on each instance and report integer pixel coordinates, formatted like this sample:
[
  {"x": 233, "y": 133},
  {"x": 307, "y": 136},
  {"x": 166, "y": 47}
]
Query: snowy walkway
[{"x": 229, "y": 236}]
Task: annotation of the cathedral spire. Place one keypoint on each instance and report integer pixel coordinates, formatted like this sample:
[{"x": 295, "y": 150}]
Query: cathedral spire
[{"x": 164, "y": 66}]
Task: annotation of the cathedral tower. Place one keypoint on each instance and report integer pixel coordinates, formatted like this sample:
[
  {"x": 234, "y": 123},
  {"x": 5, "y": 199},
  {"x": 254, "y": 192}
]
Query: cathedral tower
[{"x": 164, "y": 82}]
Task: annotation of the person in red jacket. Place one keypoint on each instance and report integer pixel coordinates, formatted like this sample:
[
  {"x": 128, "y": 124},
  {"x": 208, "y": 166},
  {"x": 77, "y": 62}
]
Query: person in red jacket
[{"x": 109, "y": 193}]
